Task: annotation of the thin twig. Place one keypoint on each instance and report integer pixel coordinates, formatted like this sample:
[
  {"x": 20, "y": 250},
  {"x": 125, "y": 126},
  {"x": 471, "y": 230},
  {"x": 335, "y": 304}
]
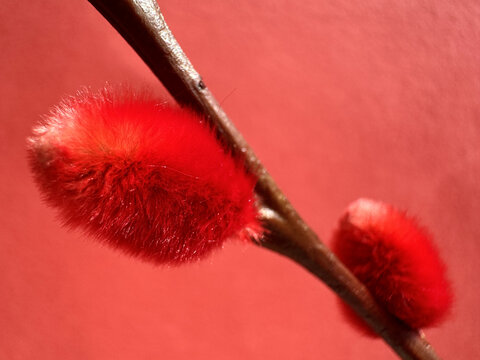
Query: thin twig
[{"x": 143, "y": 26}]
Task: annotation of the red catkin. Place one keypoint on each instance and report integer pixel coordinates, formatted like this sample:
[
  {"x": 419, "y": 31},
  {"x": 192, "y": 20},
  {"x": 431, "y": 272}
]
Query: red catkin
[
  {"x": 397, "y": 262},
  {"x": 146, "y": 177}
]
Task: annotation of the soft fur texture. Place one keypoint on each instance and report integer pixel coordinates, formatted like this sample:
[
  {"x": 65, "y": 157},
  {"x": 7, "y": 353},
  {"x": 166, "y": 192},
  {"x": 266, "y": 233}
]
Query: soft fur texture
[
  {"x": 148, "y": 178},
  {"x": 396, "y": 260}
]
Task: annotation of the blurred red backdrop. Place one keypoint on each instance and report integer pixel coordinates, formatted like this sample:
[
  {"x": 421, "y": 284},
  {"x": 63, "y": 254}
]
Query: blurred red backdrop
[{"x": 339, "y": 99}]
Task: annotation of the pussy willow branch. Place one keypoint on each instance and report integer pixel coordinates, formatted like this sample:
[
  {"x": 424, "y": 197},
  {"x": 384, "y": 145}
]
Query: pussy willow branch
[{"x": 143, "y": 26}]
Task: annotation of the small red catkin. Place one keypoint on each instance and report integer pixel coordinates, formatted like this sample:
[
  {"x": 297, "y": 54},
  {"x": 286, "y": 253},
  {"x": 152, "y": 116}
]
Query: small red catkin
[
  {"x": 397, "y": 262},
  {"x": 146, "y": 177}
]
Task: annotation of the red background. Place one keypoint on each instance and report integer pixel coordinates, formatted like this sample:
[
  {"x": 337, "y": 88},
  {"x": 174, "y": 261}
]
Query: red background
[{"x": 339, "y": 99}]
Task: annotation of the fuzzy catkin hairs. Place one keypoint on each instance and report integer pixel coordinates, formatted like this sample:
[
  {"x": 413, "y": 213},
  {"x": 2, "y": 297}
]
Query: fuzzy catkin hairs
[
  {"x": 396, "y": 260},
  {"x": 148, "y": 178}
]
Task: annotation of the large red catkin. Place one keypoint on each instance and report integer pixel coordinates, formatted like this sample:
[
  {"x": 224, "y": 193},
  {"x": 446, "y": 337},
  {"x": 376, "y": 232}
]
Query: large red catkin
[
  {"x": 397, "y": 262},
  {"x": 146, "y": 177}
]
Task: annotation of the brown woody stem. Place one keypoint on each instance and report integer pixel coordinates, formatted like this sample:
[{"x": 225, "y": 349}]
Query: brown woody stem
[{"x": 142, "y": 25}]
